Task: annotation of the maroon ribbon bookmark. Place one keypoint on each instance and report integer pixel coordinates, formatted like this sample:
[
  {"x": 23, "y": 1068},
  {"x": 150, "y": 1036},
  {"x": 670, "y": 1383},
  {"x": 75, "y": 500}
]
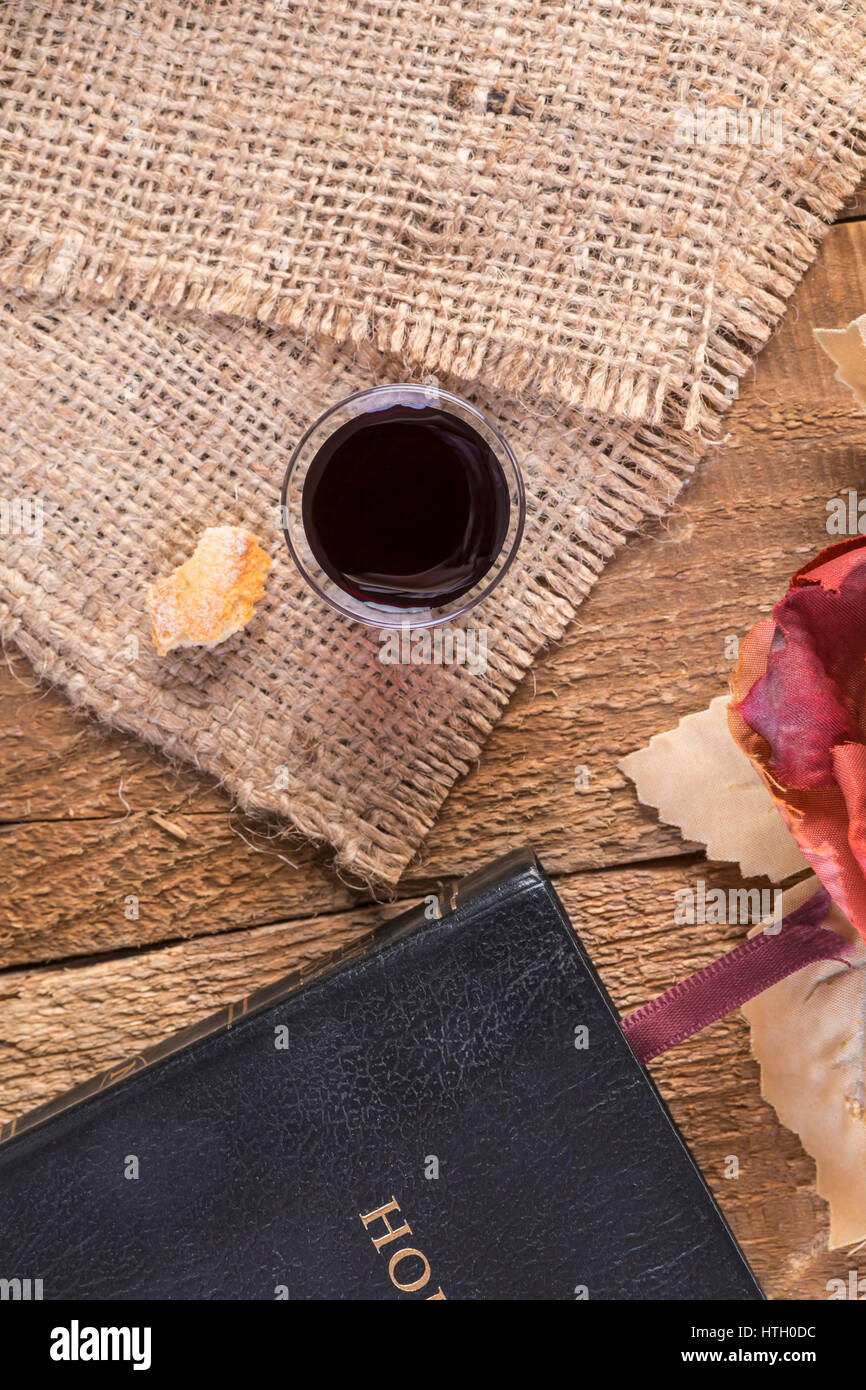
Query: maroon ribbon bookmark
[{"x": 733, "y": 979}]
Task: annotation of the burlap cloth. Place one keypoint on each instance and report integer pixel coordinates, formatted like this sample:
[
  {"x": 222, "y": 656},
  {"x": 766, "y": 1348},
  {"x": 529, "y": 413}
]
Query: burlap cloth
[{"x": 218, "y": 218}]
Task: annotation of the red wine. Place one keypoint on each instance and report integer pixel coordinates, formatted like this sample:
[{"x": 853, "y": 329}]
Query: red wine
[{"x": 406, "y": 506}]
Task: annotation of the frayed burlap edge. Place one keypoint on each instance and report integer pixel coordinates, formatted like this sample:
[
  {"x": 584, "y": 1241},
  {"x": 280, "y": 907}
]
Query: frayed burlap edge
[{"x": 733, "y": 332}]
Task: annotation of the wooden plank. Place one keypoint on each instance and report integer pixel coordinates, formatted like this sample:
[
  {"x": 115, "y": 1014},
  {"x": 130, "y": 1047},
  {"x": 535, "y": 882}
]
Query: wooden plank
[
  {"x": 75, "y": 888},
  {"x": 61, "y": 1025}
]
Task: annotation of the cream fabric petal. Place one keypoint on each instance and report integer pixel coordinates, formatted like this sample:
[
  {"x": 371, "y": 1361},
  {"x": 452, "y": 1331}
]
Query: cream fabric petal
[
  {"x": 847, "y": 348},
  {"x": 697, "y": 779},
  {"x": 809, "y": 1038}
]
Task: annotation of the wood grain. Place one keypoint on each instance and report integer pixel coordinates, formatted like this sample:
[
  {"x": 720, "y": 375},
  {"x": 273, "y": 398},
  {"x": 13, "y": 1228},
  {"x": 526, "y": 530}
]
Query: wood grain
[{"x": 83, "y": 812}]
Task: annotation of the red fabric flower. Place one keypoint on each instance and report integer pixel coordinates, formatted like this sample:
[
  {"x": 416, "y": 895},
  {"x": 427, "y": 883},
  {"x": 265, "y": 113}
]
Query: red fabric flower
[{"x": 799, "y": 713}]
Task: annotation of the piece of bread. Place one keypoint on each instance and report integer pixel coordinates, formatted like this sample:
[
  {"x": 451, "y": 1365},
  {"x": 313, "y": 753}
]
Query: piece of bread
[{"x": 212, "y": 594}]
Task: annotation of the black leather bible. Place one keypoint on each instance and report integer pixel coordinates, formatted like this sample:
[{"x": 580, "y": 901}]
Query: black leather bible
[{"x": 447, "y": 1110}]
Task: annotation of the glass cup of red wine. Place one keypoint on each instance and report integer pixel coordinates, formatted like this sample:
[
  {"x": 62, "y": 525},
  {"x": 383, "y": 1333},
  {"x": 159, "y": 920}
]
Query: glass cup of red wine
[{"x": 403, "y": 505}]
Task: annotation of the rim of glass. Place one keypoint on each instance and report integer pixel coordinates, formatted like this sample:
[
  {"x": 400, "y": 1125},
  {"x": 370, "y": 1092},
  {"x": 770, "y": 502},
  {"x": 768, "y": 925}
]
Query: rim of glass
[{"x": 291, "y": 518}]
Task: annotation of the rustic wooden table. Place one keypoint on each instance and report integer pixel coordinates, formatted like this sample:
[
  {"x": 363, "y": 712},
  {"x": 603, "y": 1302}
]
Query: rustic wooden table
[{"x": 134, "y": 900}]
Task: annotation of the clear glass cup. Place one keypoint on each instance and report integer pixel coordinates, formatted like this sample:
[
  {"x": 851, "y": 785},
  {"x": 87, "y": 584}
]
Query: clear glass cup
[{"x": 382, "y": 615}]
